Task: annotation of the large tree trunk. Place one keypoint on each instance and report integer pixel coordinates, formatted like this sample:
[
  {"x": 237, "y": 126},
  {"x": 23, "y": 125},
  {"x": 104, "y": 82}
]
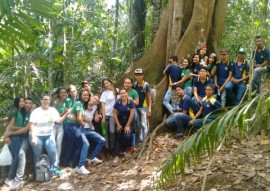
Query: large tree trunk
[{"x": 181, "y": 26}]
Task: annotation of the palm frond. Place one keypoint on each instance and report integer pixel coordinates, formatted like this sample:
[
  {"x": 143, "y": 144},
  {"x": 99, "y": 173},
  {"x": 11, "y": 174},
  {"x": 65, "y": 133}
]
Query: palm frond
[
  {"x": 249, "y": 117},
  {"x": 19, "y": 21}
]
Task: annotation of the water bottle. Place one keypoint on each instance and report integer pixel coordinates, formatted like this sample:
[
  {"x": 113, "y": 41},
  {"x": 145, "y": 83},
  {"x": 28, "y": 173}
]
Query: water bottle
[{"x": 103, "y": 129}]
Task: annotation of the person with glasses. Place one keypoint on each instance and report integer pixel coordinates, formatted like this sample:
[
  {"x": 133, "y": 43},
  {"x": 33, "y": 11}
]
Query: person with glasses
[{"x": 41, "y": 125}]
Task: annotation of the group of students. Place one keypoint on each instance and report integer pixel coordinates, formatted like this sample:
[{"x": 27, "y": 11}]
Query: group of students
[
  {"x": 204, "y": 86},
  {"x": 65, "y": 126}
]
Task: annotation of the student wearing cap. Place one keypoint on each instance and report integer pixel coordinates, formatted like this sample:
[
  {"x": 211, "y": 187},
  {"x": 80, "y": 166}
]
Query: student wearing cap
[
  {"x": 240, "y": 72},
  {"x": 223, "y": 75},
  {"x": 173, "y": 71},
  {"x": 145, "y": 103},
  {"x": 260, "y": 62}
]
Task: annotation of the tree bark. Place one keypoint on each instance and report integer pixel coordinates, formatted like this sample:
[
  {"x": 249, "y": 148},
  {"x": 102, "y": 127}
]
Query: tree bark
[{"x": 179, "y": 33}]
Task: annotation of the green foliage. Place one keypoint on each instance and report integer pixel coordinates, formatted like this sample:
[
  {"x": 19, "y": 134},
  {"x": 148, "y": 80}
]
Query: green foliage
[
  {"x": 248, "y": 118},
  {"x": 245, "y": 19}
]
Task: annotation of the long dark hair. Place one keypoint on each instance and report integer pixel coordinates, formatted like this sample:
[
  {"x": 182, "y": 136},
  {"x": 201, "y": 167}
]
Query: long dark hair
[
  {"x": 103, "y": 87},
  {"x": 80, "y": 97},
  {"x": 16, "y": 108}
]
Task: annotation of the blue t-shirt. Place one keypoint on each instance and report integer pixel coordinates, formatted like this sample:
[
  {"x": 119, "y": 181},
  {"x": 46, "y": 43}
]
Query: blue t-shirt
[
  {"x": 195, "y": 68},
  {"x": 210, "y": 105},
  {"x": 142, "y": 90},
  {"x": 240, "y": 71},
  {"x": 123, "y": 110},
  {"x": 187, "y": 104},
  {"x": 223, "y": 71},
  {"x": 201, "y": 86},
  {"x": 174, "y": 72},
  {"x": 260, "y": 57}
]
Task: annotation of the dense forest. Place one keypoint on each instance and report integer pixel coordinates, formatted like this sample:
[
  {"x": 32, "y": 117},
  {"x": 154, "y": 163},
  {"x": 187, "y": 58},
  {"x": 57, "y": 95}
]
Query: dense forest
[{"x": 49, "y": 44}]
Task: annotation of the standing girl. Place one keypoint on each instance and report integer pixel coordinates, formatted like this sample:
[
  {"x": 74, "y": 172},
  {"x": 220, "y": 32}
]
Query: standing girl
[
  {"x": 123, "y": 114},
  {"x": 107, "y": 100}
]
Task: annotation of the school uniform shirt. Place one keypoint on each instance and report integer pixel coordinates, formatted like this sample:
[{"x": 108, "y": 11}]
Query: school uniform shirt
[
  {"x": 142, "y": 90},
  {"x": 240, "y": 71},
  {"x": 78, "y": 106},
  {"x": 260, "y": 57},
  {"x": 195, "y": 68},
  {"x": 43, "y": 121},
  {"x": 174, "y": 72},
  {"x": 223, "y": 71},
  {"x": 69, "y": 102},
  {"x": 188, "y": 82},
  {"x": 108, "y": 98},
  {"x": 133, "y": 94},
  {"x": 90, "y": 115},
  {"x": 209, "y": 106},
  {"x": 123, "y": 111},
  {"x": 187, "y": 104},
  {"x": 201, "y": 86}
]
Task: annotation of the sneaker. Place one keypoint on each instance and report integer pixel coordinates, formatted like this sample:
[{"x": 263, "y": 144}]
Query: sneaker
[
  {"x": 83, "y": 170},
  {"x": 131, "y": 150},
  {"x": 126, "y": 154},
  {"x": 8, "y": 182},
  {"x": 96, "y": 161},
  {"x": 116, "y": 159},
  {"x": 57, "y": 172},
  {"x": 16, "y": 184},
  {"x": 178, "y": 135}
]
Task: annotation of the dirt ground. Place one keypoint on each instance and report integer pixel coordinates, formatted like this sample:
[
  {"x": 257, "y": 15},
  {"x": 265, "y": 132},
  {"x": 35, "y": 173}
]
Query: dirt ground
[{"x": 239, "y": 165}]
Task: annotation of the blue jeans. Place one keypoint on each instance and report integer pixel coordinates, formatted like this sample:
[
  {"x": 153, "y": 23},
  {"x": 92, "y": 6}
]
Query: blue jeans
[
  {"x": 14, "y": 147},
  {"x": 133, "y": 132},
  {"x": 222, "y": 97},
  {"x": 166, "y": 101},
  {"x": 22, "y": 158},
  {"x": 256, "y": 81},
  {"x": 188, "y": 91},
  {"x": 95, "y": 137},
  {"x": 122, "y": 140},
  {"x": 74, "y": 144},
  {"x": 180, "y": 120},
  {"x": 48, "y": 143},
  {"x": 110, "y": 136},
  {"x": 240, "y": 90},
  {"x": 198, "y": 123},
  {"x": 142, "y": 123}
]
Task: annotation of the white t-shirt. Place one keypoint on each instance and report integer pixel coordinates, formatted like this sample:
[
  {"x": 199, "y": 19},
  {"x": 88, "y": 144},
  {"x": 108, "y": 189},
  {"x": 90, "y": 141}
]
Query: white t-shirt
[
  {"x": 43, "y": 121},
  {"x": 90, "y": 115},
  {"x": 108, "y": 98}
]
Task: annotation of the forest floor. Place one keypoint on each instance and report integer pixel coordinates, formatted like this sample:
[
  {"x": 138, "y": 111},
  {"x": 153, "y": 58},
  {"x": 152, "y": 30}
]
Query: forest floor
[{"x": 238, "y": 165}]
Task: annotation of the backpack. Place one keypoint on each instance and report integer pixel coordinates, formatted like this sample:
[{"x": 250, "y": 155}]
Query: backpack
[
  {"x": 43, "y": 169},
  {"x": 153, "y": 91}
]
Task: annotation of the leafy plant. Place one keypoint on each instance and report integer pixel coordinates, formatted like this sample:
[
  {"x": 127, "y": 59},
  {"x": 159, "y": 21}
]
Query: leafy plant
[{"x": 248, "y": 118}]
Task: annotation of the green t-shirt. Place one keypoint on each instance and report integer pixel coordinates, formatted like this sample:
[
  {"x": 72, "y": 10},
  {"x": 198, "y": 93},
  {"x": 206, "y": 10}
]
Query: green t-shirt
[
  {"x": 59, "y": 107},
  {"x": 133, "y": 94},
  {"x": 69, "y": 102},
  {"x": 188, "y": 82},
  {"x": 18, "y": 119},
  {"x": 78, "y": 106}
]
